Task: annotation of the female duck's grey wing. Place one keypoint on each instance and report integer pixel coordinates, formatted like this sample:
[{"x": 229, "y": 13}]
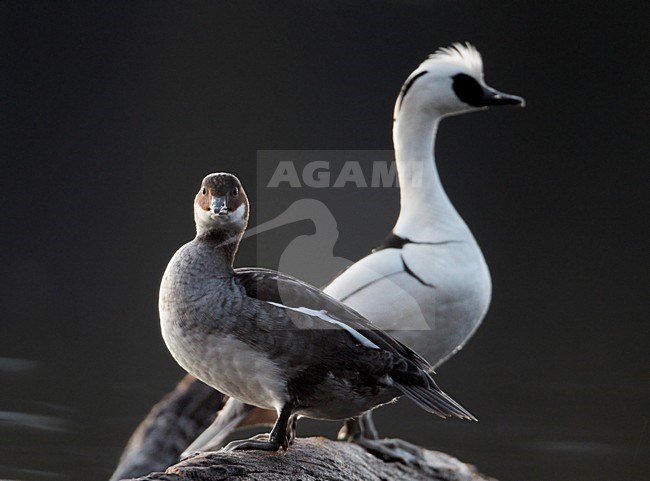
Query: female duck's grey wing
[
  {"x": 311, "y": 308},
  {"x": 275, "y": 287}
]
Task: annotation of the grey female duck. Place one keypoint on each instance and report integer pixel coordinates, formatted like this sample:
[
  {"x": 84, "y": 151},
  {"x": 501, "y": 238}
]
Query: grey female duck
[{"x": 273, "y": 341}]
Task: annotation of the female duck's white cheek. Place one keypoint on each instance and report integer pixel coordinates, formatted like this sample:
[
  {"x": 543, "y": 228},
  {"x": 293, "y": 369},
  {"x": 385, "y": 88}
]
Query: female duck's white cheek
[
  {"x": 202, "y": 216},
  {"x": 239, "y": 213}
]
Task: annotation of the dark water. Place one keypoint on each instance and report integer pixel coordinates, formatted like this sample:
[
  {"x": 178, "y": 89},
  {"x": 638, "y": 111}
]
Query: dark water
[{"x": 113, "y": 112}]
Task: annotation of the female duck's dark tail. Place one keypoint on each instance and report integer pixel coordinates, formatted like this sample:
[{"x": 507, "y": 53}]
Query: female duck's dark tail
[{"x": 432, "y": 399}]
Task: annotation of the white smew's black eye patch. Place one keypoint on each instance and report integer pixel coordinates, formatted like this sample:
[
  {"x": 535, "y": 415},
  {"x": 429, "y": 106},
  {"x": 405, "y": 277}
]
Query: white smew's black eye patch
[{"x": 468, "y": 90}]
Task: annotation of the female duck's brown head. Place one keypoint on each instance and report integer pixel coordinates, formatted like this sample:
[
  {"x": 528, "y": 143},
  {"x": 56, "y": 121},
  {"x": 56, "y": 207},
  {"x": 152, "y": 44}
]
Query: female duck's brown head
[{"x": 221, "y": 205}]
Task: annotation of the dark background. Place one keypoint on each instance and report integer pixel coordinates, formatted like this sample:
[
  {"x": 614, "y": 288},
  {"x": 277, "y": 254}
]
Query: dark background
[{"x": 112, "y": 112}]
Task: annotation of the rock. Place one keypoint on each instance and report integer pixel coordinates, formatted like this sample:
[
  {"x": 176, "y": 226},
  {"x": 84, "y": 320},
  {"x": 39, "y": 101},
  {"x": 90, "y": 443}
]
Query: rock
[
  {"x": 191, "y": 407},
  {"x": 171, "y": 425},
  {"x": 314, "y": 459}
]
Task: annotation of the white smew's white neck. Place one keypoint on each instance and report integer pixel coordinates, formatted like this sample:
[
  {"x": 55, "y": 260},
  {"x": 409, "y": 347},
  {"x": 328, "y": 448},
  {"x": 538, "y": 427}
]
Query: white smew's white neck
[{"x": 426, "y": 214}]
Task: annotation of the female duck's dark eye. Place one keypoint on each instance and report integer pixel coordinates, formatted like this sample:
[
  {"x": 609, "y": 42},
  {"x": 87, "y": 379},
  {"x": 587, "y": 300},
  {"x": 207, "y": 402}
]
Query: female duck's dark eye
[
  {"x": 235, "y": 192},
  {"x": 203, "y": 191}
]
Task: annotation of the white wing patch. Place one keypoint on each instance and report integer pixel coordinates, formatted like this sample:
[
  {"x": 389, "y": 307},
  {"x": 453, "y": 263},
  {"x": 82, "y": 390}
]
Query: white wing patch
[{"x": 323, "y": 315}]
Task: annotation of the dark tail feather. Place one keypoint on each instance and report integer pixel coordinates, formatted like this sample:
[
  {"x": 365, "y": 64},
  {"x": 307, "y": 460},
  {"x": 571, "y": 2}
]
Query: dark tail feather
[{"x": 435, "y": 401}]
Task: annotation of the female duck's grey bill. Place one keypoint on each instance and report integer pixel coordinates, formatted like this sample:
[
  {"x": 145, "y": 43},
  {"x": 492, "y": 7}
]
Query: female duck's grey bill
[
  {"x": 219, "y": 205},
  {"x": 468, "y": 90}
]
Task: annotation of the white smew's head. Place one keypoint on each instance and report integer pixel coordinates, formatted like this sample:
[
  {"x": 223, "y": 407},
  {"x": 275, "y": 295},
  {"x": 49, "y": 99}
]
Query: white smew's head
[{"x": 451, "y": 82}]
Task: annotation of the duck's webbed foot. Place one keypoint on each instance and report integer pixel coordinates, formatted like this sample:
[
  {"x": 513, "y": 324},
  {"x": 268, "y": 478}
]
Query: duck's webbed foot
[
  {"x": 280, "y": 437},
  {"x": 188, "y": 454},
  {"x": 393, "y": 450},
  {"x": 231, "y": 417},
  {"x": 355, "y": 428},
  {"x": 362, "y": 431},
  {"x": 253, "y": 444},
  {"x": 291, "y": 430}
]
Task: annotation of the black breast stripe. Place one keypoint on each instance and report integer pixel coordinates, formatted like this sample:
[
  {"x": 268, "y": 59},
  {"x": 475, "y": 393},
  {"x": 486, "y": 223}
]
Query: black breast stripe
[
  {"x": 374, "y": 281},
  {"x": 414, "y": 275},
  {"x": 393, "y": 241}
]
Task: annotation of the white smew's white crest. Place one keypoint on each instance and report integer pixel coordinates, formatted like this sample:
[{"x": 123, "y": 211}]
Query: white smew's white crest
[{"x": 465, "y": 55}]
